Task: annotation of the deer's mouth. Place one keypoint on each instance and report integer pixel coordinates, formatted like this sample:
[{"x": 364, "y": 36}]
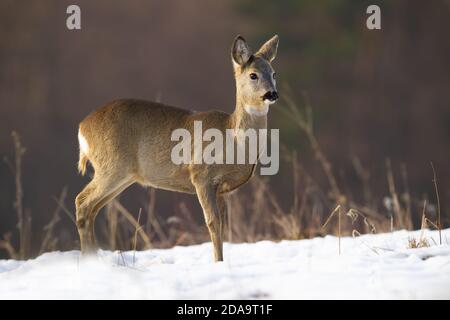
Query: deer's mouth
[{"x": 267, "y": 101}]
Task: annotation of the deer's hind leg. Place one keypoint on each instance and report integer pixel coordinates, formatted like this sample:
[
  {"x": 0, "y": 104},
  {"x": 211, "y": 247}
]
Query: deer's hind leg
[{"x": 101, "y": 190}]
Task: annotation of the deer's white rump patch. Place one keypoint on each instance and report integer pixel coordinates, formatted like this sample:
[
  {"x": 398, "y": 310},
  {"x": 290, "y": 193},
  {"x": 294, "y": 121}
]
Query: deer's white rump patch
[{"x": 84, "y": 146}]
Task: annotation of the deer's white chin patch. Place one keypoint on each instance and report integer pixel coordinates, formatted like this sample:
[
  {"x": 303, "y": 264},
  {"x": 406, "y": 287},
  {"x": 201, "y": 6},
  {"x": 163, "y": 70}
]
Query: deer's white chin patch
[
  {"x": 267, "y": 101},
  {"x": 257, "y": 111},
  {"x": 84, "y": 146}
]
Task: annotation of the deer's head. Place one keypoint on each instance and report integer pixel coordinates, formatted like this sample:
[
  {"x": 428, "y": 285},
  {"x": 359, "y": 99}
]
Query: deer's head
[{"x": 255, "y": 77}]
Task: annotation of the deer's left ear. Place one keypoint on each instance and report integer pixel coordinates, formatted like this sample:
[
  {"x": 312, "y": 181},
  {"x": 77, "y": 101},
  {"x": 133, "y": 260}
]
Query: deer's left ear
[{"x": 269, "y": 49}]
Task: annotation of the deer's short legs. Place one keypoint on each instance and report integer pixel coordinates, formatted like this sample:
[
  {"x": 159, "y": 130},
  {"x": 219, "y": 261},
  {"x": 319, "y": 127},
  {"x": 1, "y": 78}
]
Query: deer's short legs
[
  {"x": 222, "y": 205},
  {"x": 83, "y": 221},
  {"x": 208, "y": 200},
  {"x": 90, "y": 201}
]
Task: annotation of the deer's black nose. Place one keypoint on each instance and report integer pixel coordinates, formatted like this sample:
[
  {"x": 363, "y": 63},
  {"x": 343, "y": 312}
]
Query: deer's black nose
[{"x": 270, "y": 95}]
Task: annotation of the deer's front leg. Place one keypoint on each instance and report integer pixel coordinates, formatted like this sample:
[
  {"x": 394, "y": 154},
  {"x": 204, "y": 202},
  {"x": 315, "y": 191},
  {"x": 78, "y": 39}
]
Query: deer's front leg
[
  {"x": 207, "y": 195},
  {"x": 222, "y": 205}
]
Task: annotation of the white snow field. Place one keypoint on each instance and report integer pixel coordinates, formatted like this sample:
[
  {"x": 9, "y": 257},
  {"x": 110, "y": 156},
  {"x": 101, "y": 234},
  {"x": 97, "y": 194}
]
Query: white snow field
[{"x": 377, "y": 266}]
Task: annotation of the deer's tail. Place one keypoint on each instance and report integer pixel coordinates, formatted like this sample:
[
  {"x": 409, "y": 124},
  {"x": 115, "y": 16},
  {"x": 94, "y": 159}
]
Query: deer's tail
[
  {"x": 84, "y": 147},
  {"x": 82, "y": 162}
]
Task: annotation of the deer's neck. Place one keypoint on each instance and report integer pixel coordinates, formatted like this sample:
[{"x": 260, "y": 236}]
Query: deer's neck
[{"x": 241, "y": 118}]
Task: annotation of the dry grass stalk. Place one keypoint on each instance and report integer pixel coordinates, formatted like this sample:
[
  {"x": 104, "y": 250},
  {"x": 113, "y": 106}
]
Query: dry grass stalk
[
  {"x": 64, "y": 209},
  {"x": 421, "y": 242},
  {"x": 406, "y": 196},
  {"x": 413, "y": 243},
  {"x": 439, "y": 226},
  {"x": 23, "y": 216},
  {"x": 49, "y": 241},
  {"x": 129, "y": 217},
  {"x": 423, "y": 224},
  {"x": 124, "y": 263},
  {"x": 354, "y": 214},
  {"x": 364, "y": 176},
  {"x": 392, "y": 190},
  {"x": 135, "y": 235},
  {"x": 403, "y": 214},
  {"x": 338, "y": 210},
  {"x": 355, "y": 233},
  {"x": 6, "y": 244},
  {"x": 434, "y": 225},
  {"x": 152, "y": 219},
  {"x": 339, "y": 228},
  {"x": 331, "y": 215},
  {"x": 290, "y": 226}
]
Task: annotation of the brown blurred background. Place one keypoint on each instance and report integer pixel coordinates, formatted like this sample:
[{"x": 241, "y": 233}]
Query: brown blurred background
[{"x": 375, "y": 94}]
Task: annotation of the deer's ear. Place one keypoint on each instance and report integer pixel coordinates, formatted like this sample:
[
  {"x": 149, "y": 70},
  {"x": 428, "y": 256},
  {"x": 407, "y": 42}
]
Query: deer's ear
[
  {"x": 269, "y": 49},
  {"x": 240, "y": 52}
]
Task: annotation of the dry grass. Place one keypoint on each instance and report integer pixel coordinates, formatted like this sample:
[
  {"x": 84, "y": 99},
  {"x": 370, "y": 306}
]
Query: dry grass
[
  {"x": 255, "y": 211},
  {"x": 438, "y": 223},
  {"x": 414, "y": 243},
  {"x": 23, "y": 216}
]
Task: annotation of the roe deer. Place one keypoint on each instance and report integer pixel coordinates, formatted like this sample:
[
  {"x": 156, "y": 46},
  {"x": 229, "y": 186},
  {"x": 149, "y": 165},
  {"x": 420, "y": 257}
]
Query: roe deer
[{"x": 129, "y": 141}]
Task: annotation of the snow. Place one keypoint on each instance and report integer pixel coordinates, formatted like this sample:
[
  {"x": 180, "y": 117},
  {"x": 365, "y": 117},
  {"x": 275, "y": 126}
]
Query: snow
[{"x": 379, "y": 266}]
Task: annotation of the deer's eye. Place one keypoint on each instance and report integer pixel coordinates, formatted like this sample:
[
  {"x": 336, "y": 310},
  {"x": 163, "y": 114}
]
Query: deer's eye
[
  {"x": 274, "y": 75},
  {"x": 253, "y": 76}
]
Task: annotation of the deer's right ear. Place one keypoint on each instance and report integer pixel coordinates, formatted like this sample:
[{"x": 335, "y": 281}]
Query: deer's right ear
[{"x": 240, "y": 52}]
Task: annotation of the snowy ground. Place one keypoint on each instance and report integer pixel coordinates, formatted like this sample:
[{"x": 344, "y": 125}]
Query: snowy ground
[{"x": 369, "y": 267}]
